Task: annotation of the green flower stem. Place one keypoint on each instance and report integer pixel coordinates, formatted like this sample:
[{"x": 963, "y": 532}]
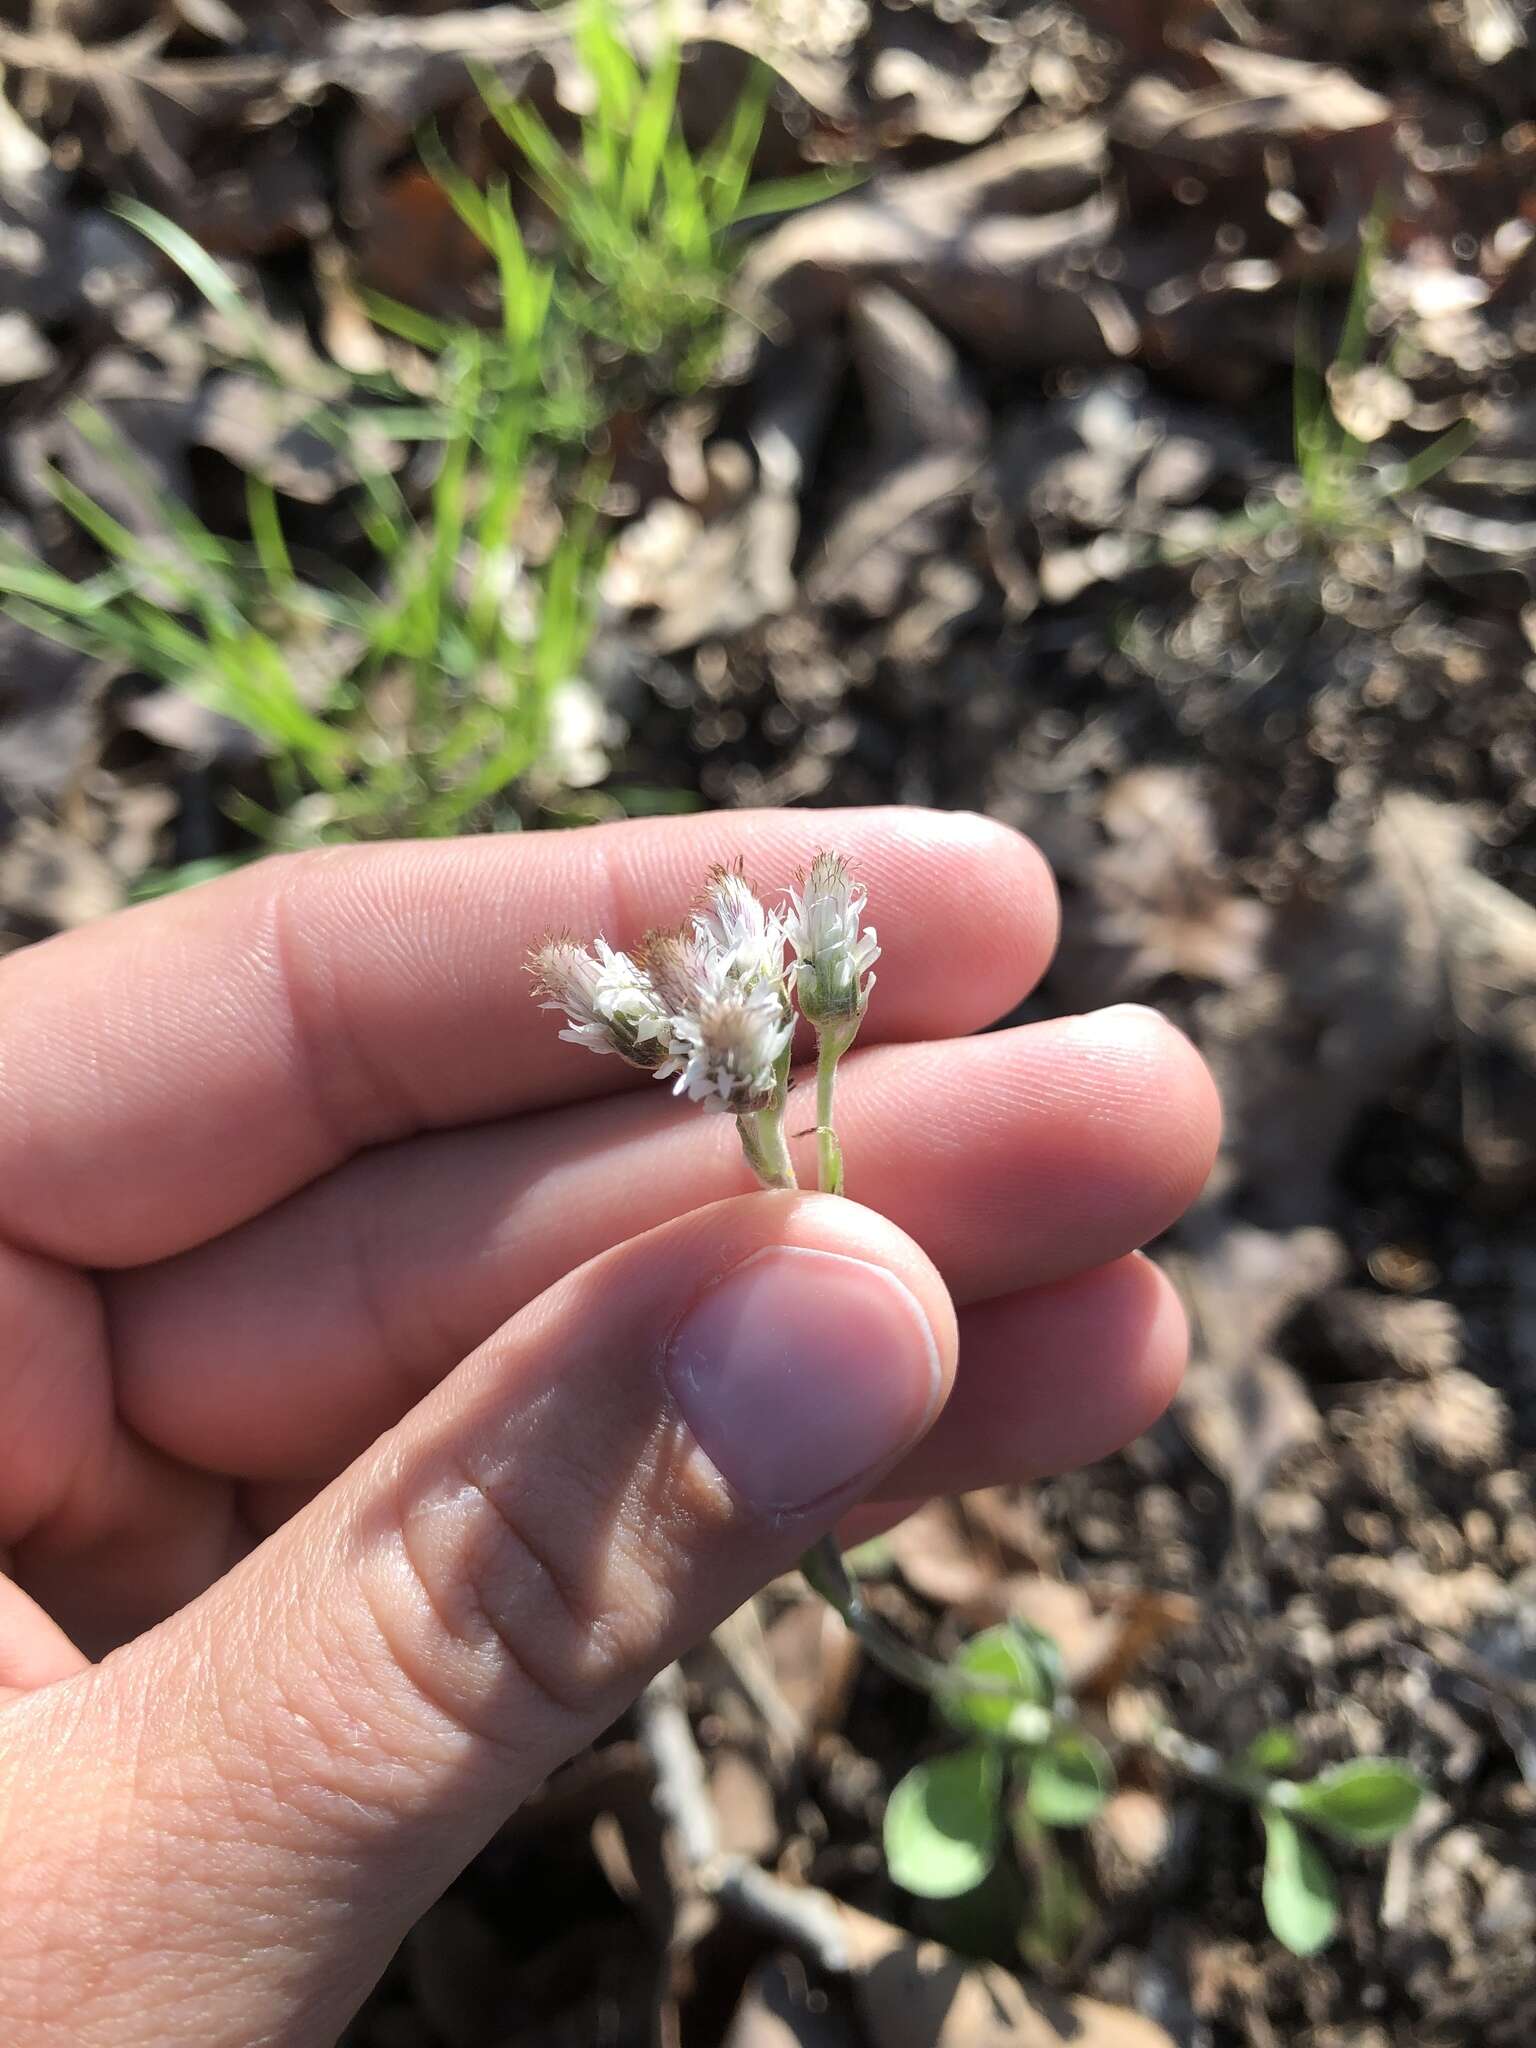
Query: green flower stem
[
  {"x": 823, "y": 1565},
  {"x": 827, "y": 1574},
  {"x": 829, "y": 1153},
  {"x": 781, "y": 1168},
  {"x": 763, "y": 1139},
  {"x": 761, "y": 1157}
]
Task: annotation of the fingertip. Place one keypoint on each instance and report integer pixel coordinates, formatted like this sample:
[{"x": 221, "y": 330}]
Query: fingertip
[
  {"x": 1022, "y": 907},
  {"x": 1144, "y": 1071},
  {"x": 1155, "y": 1366},
  {"x": 808, "y": 1221},
  {"x": 1052, "y": 1379}
]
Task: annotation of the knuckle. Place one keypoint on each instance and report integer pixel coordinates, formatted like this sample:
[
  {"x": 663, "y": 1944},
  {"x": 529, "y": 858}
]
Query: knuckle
[{"x": 533, "y": 1611}]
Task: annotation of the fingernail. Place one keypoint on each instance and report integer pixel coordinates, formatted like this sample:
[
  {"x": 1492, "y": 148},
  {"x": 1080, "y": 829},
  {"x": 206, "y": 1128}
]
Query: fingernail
[
  {"x": 802, "y": 1370},
  {"x": 1117, "y": 1020}
]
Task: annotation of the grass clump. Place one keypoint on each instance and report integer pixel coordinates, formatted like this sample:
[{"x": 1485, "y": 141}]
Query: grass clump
[
  {"x": 410, "y": 693},
  {"x": 405, "y": 703},
  {"x": 648, "y": 223}
]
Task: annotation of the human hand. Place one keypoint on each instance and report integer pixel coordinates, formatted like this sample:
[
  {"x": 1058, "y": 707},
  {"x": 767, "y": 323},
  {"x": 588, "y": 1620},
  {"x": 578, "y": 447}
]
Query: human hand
[{"x": 398, "y": 1386}]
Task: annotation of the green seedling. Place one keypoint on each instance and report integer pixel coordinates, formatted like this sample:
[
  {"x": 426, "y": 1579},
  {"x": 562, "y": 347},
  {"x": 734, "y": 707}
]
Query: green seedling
[{"x": 1030, "y": 1771}]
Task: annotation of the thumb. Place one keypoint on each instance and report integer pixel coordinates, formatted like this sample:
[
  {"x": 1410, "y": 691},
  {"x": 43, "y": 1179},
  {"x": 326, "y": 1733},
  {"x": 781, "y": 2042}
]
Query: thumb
[{"x": 262, "y": 1794}]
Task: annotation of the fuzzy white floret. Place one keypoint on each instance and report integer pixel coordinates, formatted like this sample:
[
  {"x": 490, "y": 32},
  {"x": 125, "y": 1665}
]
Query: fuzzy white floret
[
  {"x": 834, "y": 958},
  {"x": 730, "y": 1049}
]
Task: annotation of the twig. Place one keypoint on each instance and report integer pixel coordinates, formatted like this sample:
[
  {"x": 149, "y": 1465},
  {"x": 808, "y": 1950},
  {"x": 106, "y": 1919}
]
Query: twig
[
  {"x": 807, "y": 1918},
  {"x": 134, "y": 59},
  {"x": 801, "y": 1914},
  {"x": 352, "y": 54},
  {"x": 682, "y": 1789}
]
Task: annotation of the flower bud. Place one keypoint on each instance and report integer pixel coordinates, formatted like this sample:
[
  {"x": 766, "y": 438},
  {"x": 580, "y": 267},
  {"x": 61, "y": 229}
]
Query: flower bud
[
  {"x": 746, "y": 938},
  {"x": 833, "y": 958},
  {"x": 685, "y": 970},
  {"x": 609, "y": 1003}
]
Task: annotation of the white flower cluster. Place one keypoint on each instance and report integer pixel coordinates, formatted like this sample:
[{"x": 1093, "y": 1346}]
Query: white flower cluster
[{"x": 711, "y": 1004}]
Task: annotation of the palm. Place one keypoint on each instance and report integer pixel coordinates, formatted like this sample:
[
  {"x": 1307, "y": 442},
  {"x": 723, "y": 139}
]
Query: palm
[{"x": 279, "y": 1153}]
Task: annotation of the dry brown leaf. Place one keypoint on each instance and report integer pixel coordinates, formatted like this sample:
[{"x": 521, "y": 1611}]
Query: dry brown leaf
[
  {"x": 814, "y": 1661},
  {"x": 1146, "y": 1620},
  {"x": 1130, "y": 1841},
  {"x": 745, "y": 1814},
  {"x": 977, "y": 244},
  {"x": 918, "y": 1994},
  {"x": 1084, "y": 1636},
  {"x": 938, "y": 1559},
  {"x": 1246, "y": 1419}
]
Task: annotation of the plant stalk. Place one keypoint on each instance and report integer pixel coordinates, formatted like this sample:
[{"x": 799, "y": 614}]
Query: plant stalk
[
  {"x": 829, "y": 1153},
  {"x": 763, "y": 1139},
  {"x": 827, "y": 1574}
]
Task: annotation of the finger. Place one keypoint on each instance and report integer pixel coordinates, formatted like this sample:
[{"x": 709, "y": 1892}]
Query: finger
[
  {"x": 34, "y": 1650},
  {"x": 313, "y": 1006},
  {"x": 1014, "y": 1159},
  {"x": 1052, "y": 1380},
  {"x": 1048, "y": 1379},
  {"x": 335, "y": 1729},
  {"x": 95, "y": 1519}
]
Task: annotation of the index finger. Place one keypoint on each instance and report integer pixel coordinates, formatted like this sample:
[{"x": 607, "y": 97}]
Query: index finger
[{"x": 172, "y": 1071}]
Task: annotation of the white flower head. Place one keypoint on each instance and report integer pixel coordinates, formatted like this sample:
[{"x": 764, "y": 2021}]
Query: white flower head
[
  {"x": 685, "y": 969},
  {"x": 746, "y": 937},
  {"x": 834, "y": 959},
  {"x": 608, "y": 1001},
  {"x": 730, "y": 1048}
]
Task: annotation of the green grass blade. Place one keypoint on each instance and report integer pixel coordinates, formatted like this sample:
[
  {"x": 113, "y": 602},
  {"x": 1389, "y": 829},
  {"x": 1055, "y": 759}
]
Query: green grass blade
[
  {"x": 22, "y": 577},
  {"x": 688, "y": 229},
  {"x": 1312, "y": 415},
  {"x": 727, "y": 164},
  {"x": 1354, "y": 339},
  {"x": 790, "y": 195},
  {"x": 210, "y": 278},
  {"x": 555, "y": 175},
  {"x": 411, "y": 325},
  {"x": 652, "y": 126},
  {"x": 462, "y": 193},
  {"x": 267, "y": 534},
  {"x": 1429, "y": 462}
]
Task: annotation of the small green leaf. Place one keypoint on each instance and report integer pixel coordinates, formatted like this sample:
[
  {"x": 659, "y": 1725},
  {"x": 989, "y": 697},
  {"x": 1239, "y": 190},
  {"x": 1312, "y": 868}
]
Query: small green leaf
[
  {"x": 1300, "y": 1901},
  {"x": 1069, "y": 1780},
  {"x": 1364, "y": 1803},
  {"x": 1276, "y": 1750},
  {"x": 941, "y": 1824},
  {"x": 1012, "y": 1656}
]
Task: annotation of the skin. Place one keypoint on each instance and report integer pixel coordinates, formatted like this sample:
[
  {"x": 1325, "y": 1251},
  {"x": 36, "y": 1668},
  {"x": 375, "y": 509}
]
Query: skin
[{"x": 351, "y": 1480}]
